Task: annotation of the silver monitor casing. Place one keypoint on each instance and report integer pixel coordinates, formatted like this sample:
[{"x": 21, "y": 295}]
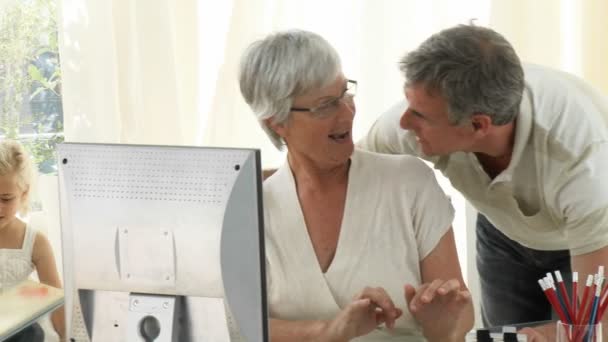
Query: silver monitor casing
[{"x": 162, "y": 220}]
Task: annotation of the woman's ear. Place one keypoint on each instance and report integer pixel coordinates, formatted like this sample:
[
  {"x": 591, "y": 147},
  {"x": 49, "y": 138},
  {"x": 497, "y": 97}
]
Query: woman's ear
[{"x": 279, "y": 129}]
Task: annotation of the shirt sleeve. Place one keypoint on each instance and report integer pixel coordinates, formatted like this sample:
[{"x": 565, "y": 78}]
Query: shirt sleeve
[
  {"x": 432, "y": 211},
  {"x": 387, "y": 136},
  {"x": 583, "y": 201}
]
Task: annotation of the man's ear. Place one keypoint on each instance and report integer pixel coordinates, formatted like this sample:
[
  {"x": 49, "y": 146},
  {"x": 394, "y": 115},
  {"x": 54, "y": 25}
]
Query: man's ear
[{"x": 481, "y": 123}]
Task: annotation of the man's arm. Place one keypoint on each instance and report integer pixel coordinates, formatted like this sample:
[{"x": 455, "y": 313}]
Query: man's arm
[
  {"x": 267, "y": 173},
  {"x": 588, "y": 263},
  {"x": 387, "y": 136}
]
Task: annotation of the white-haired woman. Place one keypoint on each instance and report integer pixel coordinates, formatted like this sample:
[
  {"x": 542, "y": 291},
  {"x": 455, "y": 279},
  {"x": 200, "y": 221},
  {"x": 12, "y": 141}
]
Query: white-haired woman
[{"x": 352, "y": 237}]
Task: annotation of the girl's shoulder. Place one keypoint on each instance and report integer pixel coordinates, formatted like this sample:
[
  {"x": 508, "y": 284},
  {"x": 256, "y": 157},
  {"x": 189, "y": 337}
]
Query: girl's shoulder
[{"x": 40, "y": 244}]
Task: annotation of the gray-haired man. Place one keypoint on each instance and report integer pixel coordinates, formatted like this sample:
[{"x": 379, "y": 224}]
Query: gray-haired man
[{"x": 527, "y": 147}]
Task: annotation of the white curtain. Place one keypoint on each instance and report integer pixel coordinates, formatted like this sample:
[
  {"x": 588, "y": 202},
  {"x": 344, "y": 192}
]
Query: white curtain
[
  {"x": 165, "y": 71},
  {"x": 129, "y": 71},
  {"x": 565, "y": 34}
]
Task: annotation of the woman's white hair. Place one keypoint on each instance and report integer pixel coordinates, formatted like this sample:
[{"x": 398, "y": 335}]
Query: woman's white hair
[{"x": 283, "y": 65}]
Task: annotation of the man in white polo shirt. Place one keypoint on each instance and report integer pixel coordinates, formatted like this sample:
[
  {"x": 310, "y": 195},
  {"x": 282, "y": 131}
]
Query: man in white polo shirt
[{"x": 527, "y": 146}]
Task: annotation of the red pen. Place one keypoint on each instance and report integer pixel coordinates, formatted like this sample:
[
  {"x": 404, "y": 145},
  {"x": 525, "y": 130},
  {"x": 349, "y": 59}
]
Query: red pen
[
  {"x": 590, "y": 317},
  {"x": 603, "y": 304},
  {"x": 574, "y": 296},
  {"x": 545, "y": 284},
  {"x": 598, "y": 298},
  {"x": 597, "y": 282},
  {"x": 582, "y": 309},
  {"x": 566, "y": 299}
]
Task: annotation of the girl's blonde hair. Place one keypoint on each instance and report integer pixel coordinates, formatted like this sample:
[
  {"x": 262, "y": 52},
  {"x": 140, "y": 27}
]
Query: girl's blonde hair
[{"x": 15, "y": 160}]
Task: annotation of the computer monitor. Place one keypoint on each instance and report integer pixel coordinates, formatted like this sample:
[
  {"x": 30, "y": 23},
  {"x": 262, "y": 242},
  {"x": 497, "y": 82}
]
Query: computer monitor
[{"x": 158, "y": 240}]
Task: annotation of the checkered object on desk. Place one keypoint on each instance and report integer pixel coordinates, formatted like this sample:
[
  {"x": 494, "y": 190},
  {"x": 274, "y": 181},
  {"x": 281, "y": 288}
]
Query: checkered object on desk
[{"x": 508, "y": 334}]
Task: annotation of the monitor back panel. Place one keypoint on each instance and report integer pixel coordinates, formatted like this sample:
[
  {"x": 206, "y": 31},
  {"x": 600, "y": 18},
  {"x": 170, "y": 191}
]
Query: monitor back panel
[{"x": 171, "y": 220}]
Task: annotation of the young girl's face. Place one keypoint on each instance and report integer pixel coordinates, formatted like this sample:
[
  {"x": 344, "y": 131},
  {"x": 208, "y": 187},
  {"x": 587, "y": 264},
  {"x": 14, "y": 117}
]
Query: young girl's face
[{"x": 11, "y": 199}]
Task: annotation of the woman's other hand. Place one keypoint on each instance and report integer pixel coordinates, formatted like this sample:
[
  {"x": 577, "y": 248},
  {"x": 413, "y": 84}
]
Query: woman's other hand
[{"x": 439, "y": 307}]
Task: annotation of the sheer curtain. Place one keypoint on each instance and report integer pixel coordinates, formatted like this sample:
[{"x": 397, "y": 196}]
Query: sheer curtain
[
  {"x": 564, "y": 34},
  {"x": 129, "y": 71},
  {"x": 370, "y": 36},
  {"x": 164, "y": 71}
]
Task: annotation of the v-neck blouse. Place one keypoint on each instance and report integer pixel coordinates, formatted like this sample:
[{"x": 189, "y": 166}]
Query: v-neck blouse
[{"x": 395, "y": 214}]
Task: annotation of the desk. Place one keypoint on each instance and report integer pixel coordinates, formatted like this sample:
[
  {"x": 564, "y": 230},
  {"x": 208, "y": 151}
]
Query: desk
[{"x": 24, "y": 304}]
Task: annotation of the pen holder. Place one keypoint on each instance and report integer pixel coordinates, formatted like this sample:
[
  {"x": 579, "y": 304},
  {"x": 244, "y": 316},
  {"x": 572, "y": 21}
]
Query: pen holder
[{"x": 578, "y": 333}]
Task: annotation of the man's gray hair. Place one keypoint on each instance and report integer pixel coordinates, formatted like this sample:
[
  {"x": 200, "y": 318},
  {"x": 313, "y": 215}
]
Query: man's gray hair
[
  {"x": 283, "y": 65},
  {"x": 474, "y": 68}
]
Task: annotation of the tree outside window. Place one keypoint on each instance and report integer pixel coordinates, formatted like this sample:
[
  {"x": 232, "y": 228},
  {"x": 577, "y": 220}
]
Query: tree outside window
[{"x": 30, "y": 78}]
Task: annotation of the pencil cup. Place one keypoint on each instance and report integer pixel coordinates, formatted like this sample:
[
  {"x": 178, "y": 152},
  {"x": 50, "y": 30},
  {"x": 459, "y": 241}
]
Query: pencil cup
[{"x": 578, "y": 333}]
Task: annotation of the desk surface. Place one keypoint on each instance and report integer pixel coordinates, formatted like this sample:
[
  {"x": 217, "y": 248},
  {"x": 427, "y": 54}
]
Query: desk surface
[{"x": 24, "y": 304}]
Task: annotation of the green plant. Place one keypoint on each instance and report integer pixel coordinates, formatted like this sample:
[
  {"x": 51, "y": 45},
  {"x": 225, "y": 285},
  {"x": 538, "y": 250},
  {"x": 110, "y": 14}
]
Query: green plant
[{"x": 30, "y": 78}]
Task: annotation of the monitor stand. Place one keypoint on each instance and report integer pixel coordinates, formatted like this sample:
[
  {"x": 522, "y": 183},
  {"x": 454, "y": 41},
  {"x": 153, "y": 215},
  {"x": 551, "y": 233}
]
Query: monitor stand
[
  {"x": 151, "y": 318},
  {"x": 101, "y": 316}
]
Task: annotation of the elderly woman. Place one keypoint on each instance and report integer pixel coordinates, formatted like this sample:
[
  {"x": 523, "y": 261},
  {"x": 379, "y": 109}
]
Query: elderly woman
[{"x": 352, "y": 237}]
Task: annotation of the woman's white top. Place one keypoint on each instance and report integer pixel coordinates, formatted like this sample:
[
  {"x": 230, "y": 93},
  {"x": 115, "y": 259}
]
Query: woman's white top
[{"x": 394, "y": 216}]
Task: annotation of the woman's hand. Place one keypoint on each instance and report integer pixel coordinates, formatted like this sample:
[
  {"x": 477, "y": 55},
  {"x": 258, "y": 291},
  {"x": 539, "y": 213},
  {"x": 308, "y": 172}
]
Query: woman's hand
[
  {"x": 440, "y": 308},
  {"x": 370, "y": 308}
]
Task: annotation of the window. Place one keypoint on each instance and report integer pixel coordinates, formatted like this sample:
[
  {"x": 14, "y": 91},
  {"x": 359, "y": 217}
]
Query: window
[{"x": 30, "y": 78}]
